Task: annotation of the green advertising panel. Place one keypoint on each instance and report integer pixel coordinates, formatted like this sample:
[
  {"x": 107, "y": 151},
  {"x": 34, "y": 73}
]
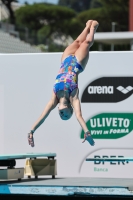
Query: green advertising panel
[{"x": 110, "y": 125}]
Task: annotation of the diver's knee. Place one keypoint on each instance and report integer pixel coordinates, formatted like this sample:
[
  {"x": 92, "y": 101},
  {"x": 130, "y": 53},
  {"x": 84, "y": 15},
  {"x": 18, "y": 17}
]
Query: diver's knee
[
  {"x": 78, "y": 42},
  {"x": 85, "y": 44}
]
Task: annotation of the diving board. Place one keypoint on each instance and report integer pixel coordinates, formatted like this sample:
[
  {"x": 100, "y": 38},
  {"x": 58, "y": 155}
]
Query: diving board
[
  {"x": 26, "y": 155},
  {"x": 37, "y": 164}
]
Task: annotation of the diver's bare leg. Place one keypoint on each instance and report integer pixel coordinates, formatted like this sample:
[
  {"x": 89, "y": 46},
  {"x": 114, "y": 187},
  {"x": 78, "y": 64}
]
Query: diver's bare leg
[
  {"x": 72, "y": 48},
  {"x": 82, "y": 53}
]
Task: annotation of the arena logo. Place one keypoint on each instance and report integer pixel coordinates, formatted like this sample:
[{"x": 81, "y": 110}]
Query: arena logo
[
  {"x": 100, "y": 90},
  {"x": 124, "y": 90},
  {"x": 110, "y": 125},
  {"x": 108, "y": 89}
]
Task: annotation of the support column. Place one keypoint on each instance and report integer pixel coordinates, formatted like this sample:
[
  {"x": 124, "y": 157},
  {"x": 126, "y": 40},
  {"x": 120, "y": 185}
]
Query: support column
[
  {"x": 100, "y": 47},
  {"x": 130, "y": 15},
  {"x": 131, "y": 45}
]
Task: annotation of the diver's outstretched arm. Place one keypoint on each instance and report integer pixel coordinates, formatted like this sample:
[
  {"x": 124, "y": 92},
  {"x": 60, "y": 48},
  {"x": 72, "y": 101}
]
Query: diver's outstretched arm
[
  {"x": 78, "y": 113},
  {"x": 44, "y": 115},
  {"x": 74, "y": 99},
  {"x": 77, "y": 109},
  {"x": 48, "y": 108}
]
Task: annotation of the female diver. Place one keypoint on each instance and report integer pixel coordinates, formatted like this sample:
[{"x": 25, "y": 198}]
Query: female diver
[{"x": 65, "y": 90}]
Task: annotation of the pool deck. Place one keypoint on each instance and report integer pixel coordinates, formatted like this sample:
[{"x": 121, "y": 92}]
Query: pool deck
[{"x": 68, "y": 186}]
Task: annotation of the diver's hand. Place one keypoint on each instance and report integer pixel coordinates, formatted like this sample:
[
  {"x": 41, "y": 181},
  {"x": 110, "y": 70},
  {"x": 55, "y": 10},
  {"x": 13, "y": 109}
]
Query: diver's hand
[
  {"x": 88, "y": 137},
  {"x": 31, "y": 139}
]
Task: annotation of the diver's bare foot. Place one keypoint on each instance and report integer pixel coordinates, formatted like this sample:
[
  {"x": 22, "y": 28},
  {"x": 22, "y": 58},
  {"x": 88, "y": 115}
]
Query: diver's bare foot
[
  {"x": 95, "y": 25},
  {"x": 89, "y": 23}
]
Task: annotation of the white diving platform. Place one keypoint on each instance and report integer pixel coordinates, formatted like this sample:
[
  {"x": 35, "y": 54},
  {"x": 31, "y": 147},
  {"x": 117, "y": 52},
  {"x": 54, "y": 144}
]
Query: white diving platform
[{"x": 37, "y": 164}]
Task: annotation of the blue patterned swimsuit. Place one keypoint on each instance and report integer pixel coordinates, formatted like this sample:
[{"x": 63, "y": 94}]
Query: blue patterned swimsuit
[{"x": 66, "y": 79}]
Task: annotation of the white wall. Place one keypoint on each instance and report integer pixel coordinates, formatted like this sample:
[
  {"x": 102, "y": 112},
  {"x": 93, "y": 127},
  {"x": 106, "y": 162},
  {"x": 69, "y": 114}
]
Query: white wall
[{"x": 26, "y": 82}]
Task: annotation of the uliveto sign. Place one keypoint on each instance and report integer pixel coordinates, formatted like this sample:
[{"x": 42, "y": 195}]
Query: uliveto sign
[
  {"x": 108, "y": 89},
  {"x": 110, "y": 125}
]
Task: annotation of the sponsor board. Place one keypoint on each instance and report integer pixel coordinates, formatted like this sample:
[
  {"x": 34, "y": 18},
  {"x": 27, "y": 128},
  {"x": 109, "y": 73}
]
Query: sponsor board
[
  {"x": 113, "y": 130},
  {"x": 110, "y": 125},
  {"x": 108, "y": 89},
  {"x": 112, "y": 169}
]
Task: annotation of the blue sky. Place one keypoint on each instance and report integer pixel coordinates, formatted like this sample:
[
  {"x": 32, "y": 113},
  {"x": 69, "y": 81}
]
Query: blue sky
[{"x": 38, "y": 1}]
